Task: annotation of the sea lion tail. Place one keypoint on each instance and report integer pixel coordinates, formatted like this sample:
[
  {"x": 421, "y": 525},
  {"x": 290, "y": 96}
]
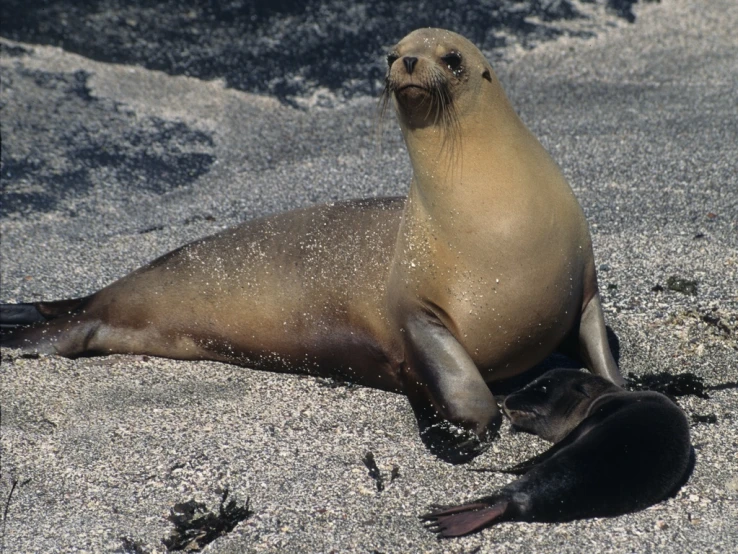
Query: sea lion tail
[{"x": 456, "y": 521}]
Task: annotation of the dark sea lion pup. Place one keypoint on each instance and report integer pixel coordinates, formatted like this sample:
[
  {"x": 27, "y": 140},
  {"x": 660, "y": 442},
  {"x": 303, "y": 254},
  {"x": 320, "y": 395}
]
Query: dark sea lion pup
[
  {"x": 616, "y": 452},
  {"x": 479, "y": 274}
]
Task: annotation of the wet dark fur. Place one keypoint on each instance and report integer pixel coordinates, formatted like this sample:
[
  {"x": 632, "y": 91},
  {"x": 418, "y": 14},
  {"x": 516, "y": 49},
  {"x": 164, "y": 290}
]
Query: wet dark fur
[{"x": 627, "y": 451}]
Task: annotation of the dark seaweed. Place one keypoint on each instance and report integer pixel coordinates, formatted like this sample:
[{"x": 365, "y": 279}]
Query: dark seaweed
[
  {"x": 195, "y": 527},
  {"x": 374, "y": 472}
]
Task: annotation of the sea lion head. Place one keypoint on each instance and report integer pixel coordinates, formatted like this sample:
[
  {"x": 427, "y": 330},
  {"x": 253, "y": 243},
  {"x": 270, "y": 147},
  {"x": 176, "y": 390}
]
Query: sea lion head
[
  {"x": 555, "y": 403},
  {"x": 434, "y": 77}
]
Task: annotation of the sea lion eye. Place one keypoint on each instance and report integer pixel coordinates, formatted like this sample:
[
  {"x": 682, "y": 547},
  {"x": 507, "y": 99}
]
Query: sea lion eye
[
  {"x": 391, "y": 58},
  {"x": 452, "y": 61}
]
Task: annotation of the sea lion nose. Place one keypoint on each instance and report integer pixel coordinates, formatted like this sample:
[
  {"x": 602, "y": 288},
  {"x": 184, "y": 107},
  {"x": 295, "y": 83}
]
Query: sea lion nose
[{"x": 409, "y": 62}]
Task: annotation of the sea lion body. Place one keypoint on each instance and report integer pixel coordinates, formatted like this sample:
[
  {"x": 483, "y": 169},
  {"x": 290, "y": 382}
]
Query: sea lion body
[
  {"x": 615, "y": 452},
  {"x": 479, "y": 274},
  {"x": 283, "y": 292}
]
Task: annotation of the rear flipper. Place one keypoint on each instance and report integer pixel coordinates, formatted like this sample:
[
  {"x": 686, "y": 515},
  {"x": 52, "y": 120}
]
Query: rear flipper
[
  {"x": 456, "y": 521},
  {"x": 27, "y": 314},
  {"x": 44, "y": 327},
  {"x": 13, "y": 315}
]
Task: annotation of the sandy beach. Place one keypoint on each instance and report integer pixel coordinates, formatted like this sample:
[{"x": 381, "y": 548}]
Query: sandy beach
[{"x": 108, "y": 165}]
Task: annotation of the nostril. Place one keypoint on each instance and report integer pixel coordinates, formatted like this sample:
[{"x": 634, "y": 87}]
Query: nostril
[{"x": 409, "y": 62}]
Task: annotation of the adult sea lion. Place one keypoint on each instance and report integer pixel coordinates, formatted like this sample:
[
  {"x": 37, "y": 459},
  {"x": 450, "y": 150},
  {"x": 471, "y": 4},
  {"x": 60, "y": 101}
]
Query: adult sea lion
[
  {"x": 616, "y": 452},
  {"x": 482, "y": 271}
]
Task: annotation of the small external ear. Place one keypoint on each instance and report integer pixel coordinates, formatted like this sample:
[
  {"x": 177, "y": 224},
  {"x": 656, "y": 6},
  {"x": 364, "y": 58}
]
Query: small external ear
[{"x": 487, "y": 75}]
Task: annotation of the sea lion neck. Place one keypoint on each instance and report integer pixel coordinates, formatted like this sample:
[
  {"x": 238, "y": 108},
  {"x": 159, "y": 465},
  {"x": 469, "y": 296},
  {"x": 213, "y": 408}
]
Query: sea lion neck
[{"x": 493, "y": 142}]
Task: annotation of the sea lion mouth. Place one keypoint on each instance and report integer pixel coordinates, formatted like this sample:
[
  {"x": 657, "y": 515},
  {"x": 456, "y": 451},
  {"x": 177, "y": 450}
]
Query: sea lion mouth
[
  {"x": 425, "y": 103},
  {"x": 412, "y": 95},
  {"x": 410, "y": 86},
  {"x": 525, "y": 419},
  {"x": 516, "y": 415}
]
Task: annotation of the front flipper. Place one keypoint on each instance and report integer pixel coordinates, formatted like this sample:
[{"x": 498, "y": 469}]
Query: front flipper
[
  {"x": 524, "y": 467},
  {"x": 455, "y": 521},
  {"x": 455, "y": 409},
  {"x": 593, "y": 346}
]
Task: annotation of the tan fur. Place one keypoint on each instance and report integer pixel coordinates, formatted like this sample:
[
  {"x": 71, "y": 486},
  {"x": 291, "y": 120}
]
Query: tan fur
[
  {"x": 479, "y": 274},
  {"x": 498, "y": 246}
]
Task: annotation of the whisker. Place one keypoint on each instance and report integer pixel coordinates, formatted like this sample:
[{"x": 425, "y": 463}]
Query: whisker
[
  {"x": 440, "y": 112},
  {"x": 384, "y": 100}
]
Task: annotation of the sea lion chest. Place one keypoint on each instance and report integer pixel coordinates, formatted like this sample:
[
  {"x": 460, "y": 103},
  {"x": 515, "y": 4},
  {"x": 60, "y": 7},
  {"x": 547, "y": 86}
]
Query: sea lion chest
[{"x": 503, "y": 272}]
